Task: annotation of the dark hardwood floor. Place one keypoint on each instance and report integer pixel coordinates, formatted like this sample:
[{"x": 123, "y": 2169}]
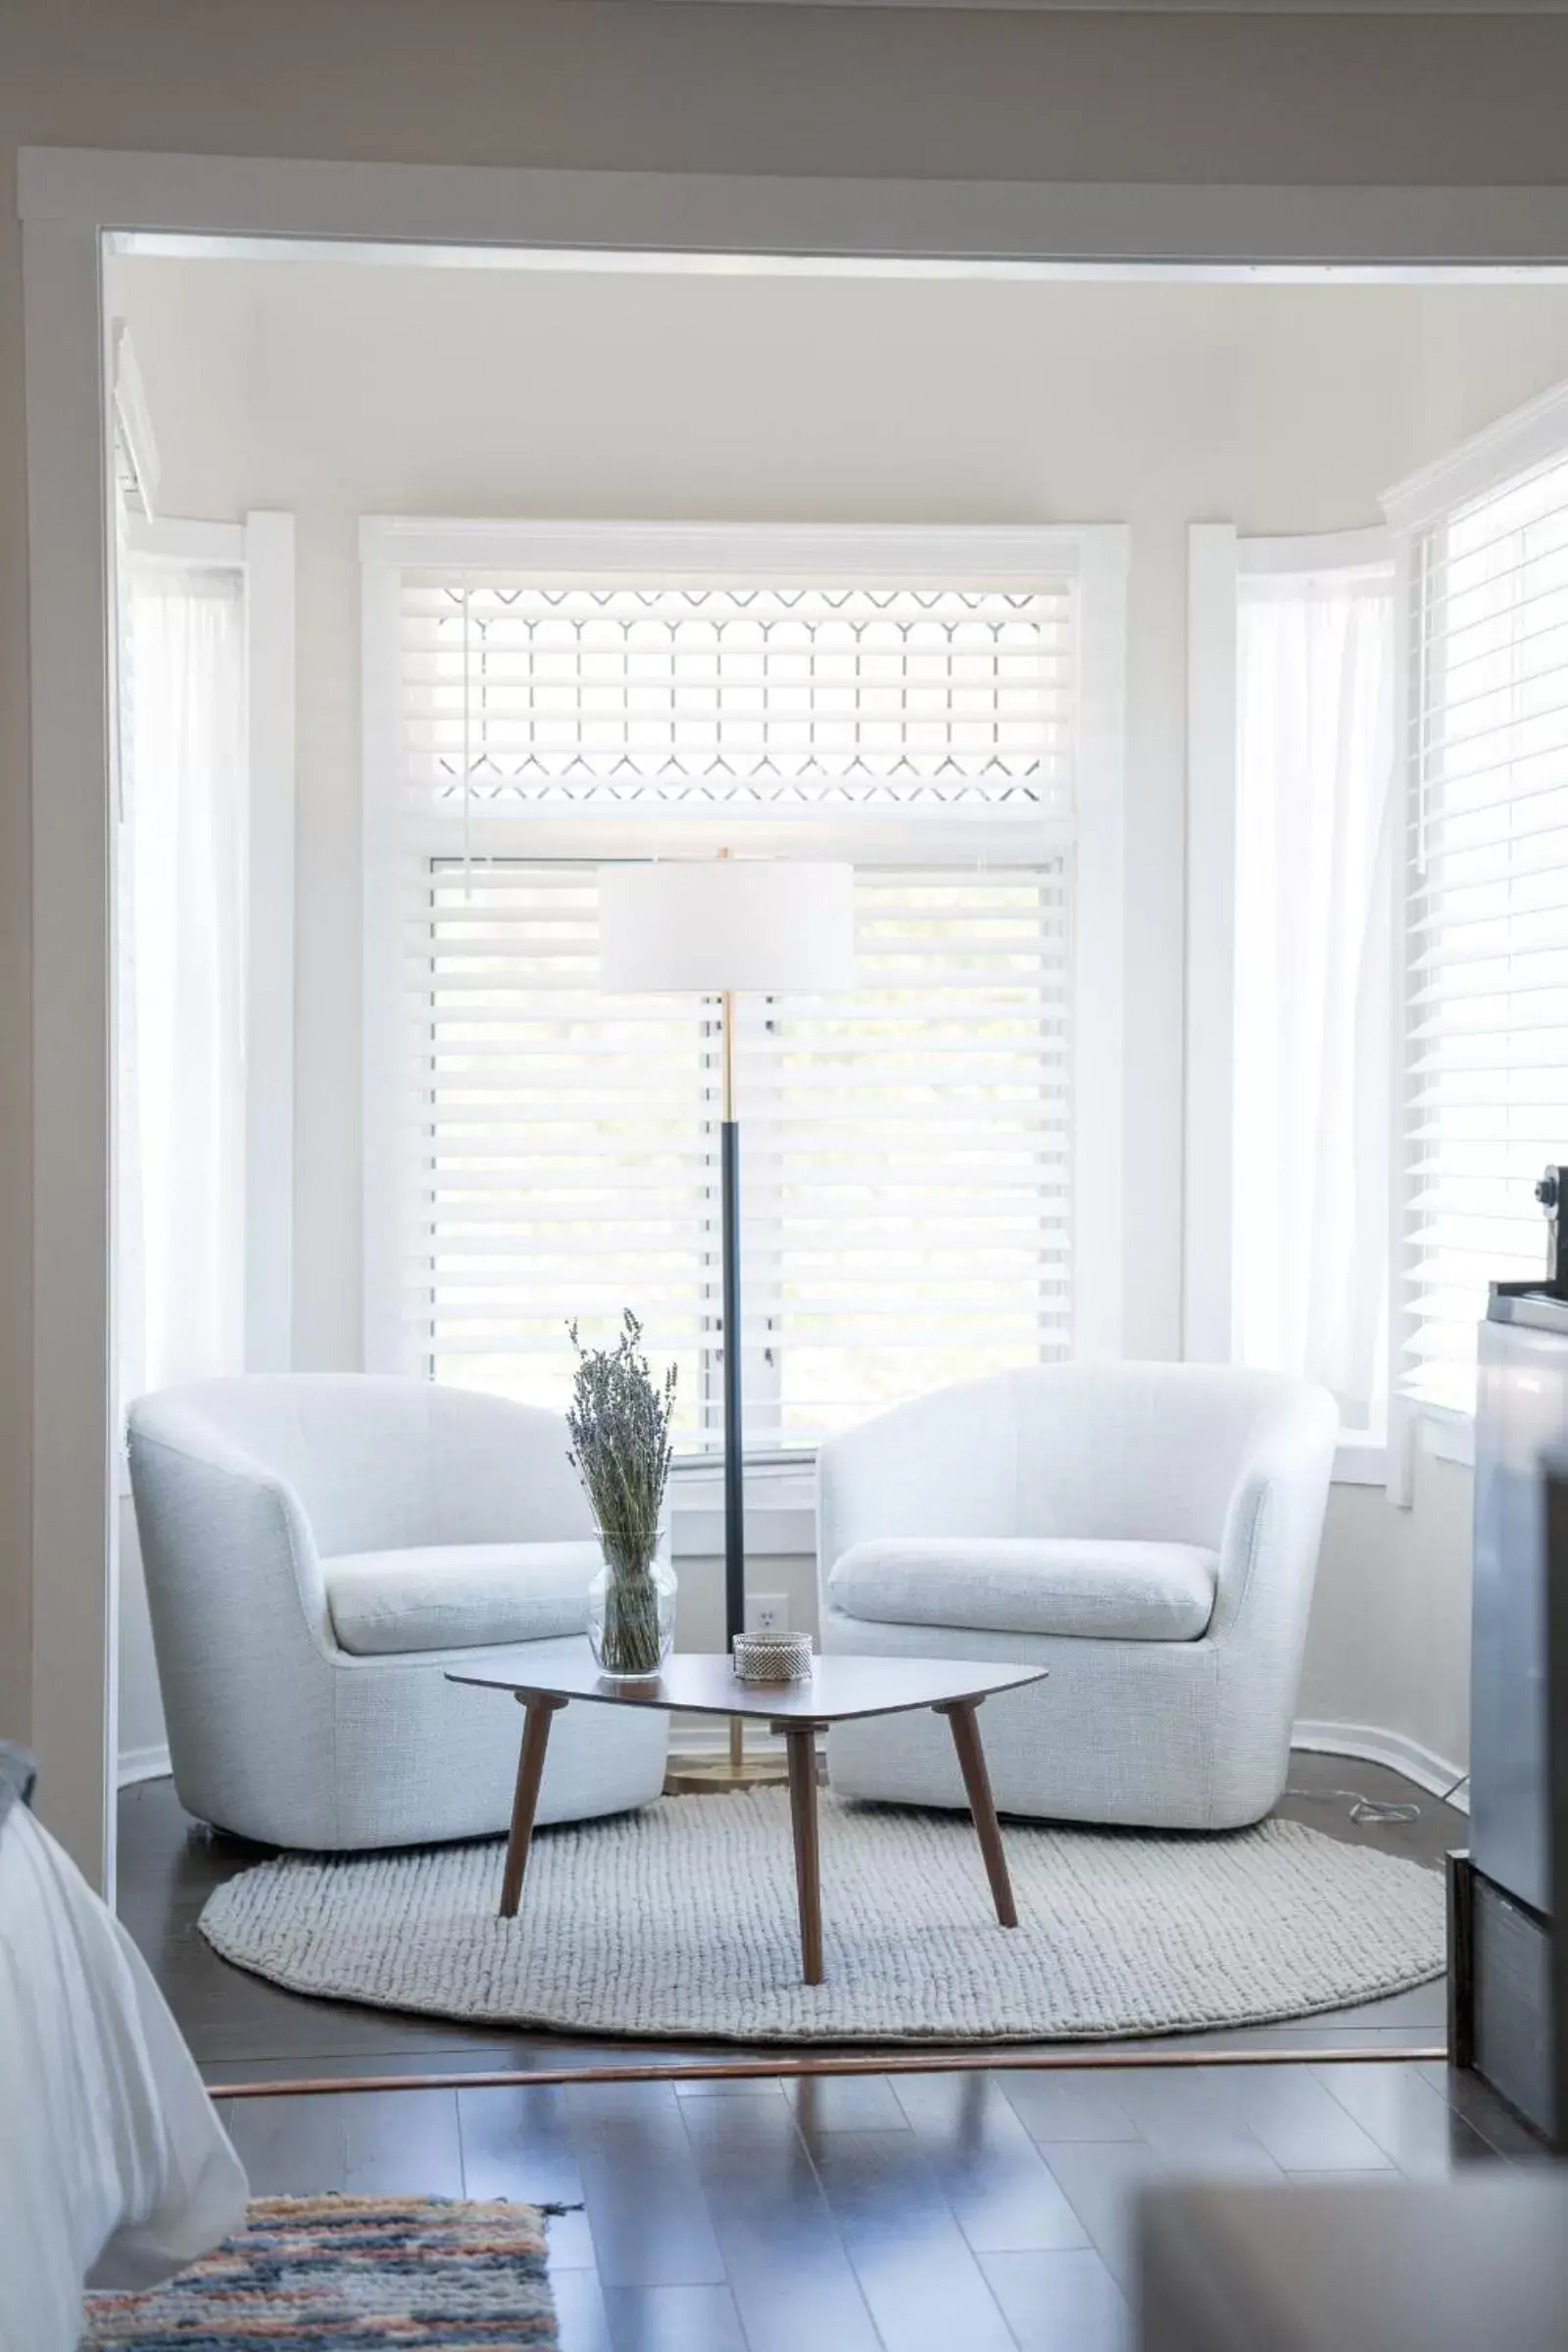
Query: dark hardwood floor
[
  {"x": 866, "y": 2214},
  {"x": 859, "y": 2214}
]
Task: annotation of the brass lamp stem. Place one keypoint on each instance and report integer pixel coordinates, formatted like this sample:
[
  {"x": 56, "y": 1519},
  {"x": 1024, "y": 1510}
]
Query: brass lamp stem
[{"x": 727, "y": 1026}]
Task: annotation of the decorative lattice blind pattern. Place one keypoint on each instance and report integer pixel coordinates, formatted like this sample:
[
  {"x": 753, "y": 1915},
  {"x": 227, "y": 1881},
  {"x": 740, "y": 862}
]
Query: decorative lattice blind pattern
[
  {"x": 522, "y": 697},
  {"x": 907, "y": 1150},
  {"x": 1486, "y": 1098}
]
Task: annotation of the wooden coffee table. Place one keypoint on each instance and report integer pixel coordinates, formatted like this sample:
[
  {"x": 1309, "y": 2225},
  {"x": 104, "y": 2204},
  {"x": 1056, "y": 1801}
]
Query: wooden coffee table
[{"x": 839, "y": 1690}]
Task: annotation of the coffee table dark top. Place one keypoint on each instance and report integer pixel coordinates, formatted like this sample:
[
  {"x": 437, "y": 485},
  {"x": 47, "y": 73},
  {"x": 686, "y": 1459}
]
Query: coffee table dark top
[{"x": 701, "y": 1682}]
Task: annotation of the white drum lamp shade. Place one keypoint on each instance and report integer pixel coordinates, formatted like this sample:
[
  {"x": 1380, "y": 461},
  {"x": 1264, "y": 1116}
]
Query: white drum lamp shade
[{"x": 725, "y": 925}]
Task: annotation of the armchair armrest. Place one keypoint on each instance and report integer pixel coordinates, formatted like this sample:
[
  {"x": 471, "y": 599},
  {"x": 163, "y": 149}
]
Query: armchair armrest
[
  {"x": 225, "y": 1540},
  {"x": 1274, "y": 1524}
]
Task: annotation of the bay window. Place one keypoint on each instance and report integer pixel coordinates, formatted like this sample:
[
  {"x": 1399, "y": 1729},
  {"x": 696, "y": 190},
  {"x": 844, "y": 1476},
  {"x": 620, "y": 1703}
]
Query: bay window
[
  {"x": 1378, "y": 927},
  {"x": 941, "y": 708}
]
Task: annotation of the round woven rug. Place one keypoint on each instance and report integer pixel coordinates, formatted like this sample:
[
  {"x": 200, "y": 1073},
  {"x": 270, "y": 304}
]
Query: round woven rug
[{"x": 680, "y": 1921}]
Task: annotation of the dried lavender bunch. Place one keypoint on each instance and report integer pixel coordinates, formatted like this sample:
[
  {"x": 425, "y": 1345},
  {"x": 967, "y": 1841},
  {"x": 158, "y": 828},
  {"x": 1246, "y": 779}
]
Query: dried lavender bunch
[{"x": 619, "y": 1423}]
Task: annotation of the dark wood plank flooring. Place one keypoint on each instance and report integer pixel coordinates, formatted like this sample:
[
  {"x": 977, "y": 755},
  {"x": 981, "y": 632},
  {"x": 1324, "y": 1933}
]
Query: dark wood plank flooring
[
  {"x": 866, "y": 2214},
  {"x": 242, "y": 2028},
  {"x": 873, "y": 2214}
]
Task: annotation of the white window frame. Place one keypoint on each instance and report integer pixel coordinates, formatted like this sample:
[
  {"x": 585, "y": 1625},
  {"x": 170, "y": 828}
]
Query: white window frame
[
  {"x": 1526, "y": 437},
  {"x": 1000, "y": 557},
  {"x": 1218, "y": 557},
  {"x": 262, "y": 550}
]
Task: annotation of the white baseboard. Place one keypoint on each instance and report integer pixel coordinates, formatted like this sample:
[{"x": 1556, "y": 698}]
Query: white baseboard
[
  {"x": 1433, "y": 1773},
  {"x": 703, "y": 1735},
  {"x": 143, "y": 1764}
]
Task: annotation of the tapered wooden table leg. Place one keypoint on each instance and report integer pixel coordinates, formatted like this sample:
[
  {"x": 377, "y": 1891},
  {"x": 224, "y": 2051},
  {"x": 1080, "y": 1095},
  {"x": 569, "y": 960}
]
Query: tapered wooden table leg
[
  {"x": 526, "y": 1796},
  {"x": 799, "y": 1742},
  {"x": 961, "y": 1715}
]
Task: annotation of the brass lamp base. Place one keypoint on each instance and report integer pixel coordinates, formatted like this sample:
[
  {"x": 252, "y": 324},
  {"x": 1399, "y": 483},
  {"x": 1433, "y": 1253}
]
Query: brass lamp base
[{"x": 717, "y": 1775}]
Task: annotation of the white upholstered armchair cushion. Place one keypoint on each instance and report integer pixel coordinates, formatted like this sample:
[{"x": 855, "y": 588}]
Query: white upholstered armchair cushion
[
  {"x": 1123, "y": 1592},
  {"x": 264, "y": 1506},
  {"x": 1198, "y": 1467},
  {"x": 458, "y": 1595}
]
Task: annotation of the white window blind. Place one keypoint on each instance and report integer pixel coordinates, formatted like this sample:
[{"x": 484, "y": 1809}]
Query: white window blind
[
  {"x": 924, "y": 1152},
  {"x": 1486, "y": 1101},
  {"x": 906, "y": 1151},
  {"x": 914, "y": 1155},
  {"x": 559, "y": 1139}
]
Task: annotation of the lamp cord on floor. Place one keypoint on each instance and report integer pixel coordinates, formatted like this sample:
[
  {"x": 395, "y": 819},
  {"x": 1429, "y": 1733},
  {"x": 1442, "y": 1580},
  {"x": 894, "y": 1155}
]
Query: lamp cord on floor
[
  {"x": 1374, "y": 1809},
  {"x": 1362, "y": 1808}
]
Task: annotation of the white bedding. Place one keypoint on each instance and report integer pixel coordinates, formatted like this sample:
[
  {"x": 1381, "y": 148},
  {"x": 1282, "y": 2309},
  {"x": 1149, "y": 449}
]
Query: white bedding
[{"x": 113, "y": 2163}]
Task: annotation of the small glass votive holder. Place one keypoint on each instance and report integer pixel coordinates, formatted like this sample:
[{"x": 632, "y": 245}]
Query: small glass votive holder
[{"x": 772, "y": 1657}]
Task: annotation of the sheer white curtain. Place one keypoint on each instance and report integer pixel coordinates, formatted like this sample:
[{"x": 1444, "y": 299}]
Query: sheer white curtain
[
  {"x": 1315, "y": 822},
  {"x": 181, "y": 1202}
]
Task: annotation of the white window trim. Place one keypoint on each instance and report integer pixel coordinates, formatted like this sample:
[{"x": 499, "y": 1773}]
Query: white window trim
[
  {"x": 1213, "y": 564},
  {"x": 1525, "y": 437},
  {"x": 269, "y": 1019},
  {"x": 1218, "y": 557},
  {"x": 133, "y": 420},
  {"x": 261, "y": 548},
  {"x": 1010, "y": 556}
]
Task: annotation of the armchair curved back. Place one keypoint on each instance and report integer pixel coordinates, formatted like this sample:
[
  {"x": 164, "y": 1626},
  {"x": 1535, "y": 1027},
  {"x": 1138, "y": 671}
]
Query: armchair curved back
[
  {"x": 1141, "y": 1452},
  {"x": 378, "y": 1463},
  {"x": 242, "y": 1488}
]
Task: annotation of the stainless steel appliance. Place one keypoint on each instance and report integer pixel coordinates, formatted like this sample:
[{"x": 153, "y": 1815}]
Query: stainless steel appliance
[{"x": 1521, "y": 1419}]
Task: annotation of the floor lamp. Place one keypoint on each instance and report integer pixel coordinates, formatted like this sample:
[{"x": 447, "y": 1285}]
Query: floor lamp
[{"x": 722, "y": 927}]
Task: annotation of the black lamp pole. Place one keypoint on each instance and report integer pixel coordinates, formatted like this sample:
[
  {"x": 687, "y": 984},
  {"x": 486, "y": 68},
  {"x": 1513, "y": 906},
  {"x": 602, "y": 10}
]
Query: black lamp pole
[
  {"x": 734, "y": 1456},
  {"x": 729, "y": 1179}
]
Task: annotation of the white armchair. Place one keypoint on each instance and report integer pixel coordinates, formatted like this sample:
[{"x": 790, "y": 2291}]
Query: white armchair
[
  {"x": 317, "y": 1551},
  {"x": 1147, "y": 1532}
]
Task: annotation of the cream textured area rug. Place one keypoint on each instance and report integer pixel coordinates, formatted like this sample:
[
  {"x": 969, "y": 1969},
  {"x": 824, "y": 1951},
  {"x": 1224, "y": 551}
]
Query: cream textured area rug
[{"x": 680, "y": 1921}]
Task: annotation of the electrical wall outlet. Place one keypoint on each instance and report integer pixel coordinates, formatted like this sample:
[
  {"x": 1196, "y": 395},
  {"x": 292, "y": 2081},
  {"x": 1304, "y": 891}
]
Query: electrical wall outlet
[{"x": 766, "y": 1613}]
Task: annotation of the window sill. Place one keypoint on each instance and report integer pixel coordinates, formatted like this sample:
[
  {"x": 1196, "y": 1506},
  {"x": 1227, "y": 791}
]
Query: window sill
[
  {"x": 781, "y": 1499},
  {"x": 1444, "y": 1433},
  {"x": 780, "y": 1508},
  {"x": 1361, "y": 1460},
  {"x": 1447, "y": 1433}
]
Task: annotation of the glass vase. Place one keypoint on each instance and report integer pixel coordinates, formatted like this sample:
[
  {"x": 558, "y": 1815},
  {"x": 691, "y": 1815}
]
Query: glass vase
[{"x": 631, "y": 1618}]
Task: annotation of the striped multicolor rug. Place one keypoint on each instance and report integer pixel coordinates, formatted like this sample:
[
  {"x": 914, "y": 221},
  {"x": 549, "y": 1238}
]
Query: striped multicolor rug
[{"x": 332, "y": 2272}]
